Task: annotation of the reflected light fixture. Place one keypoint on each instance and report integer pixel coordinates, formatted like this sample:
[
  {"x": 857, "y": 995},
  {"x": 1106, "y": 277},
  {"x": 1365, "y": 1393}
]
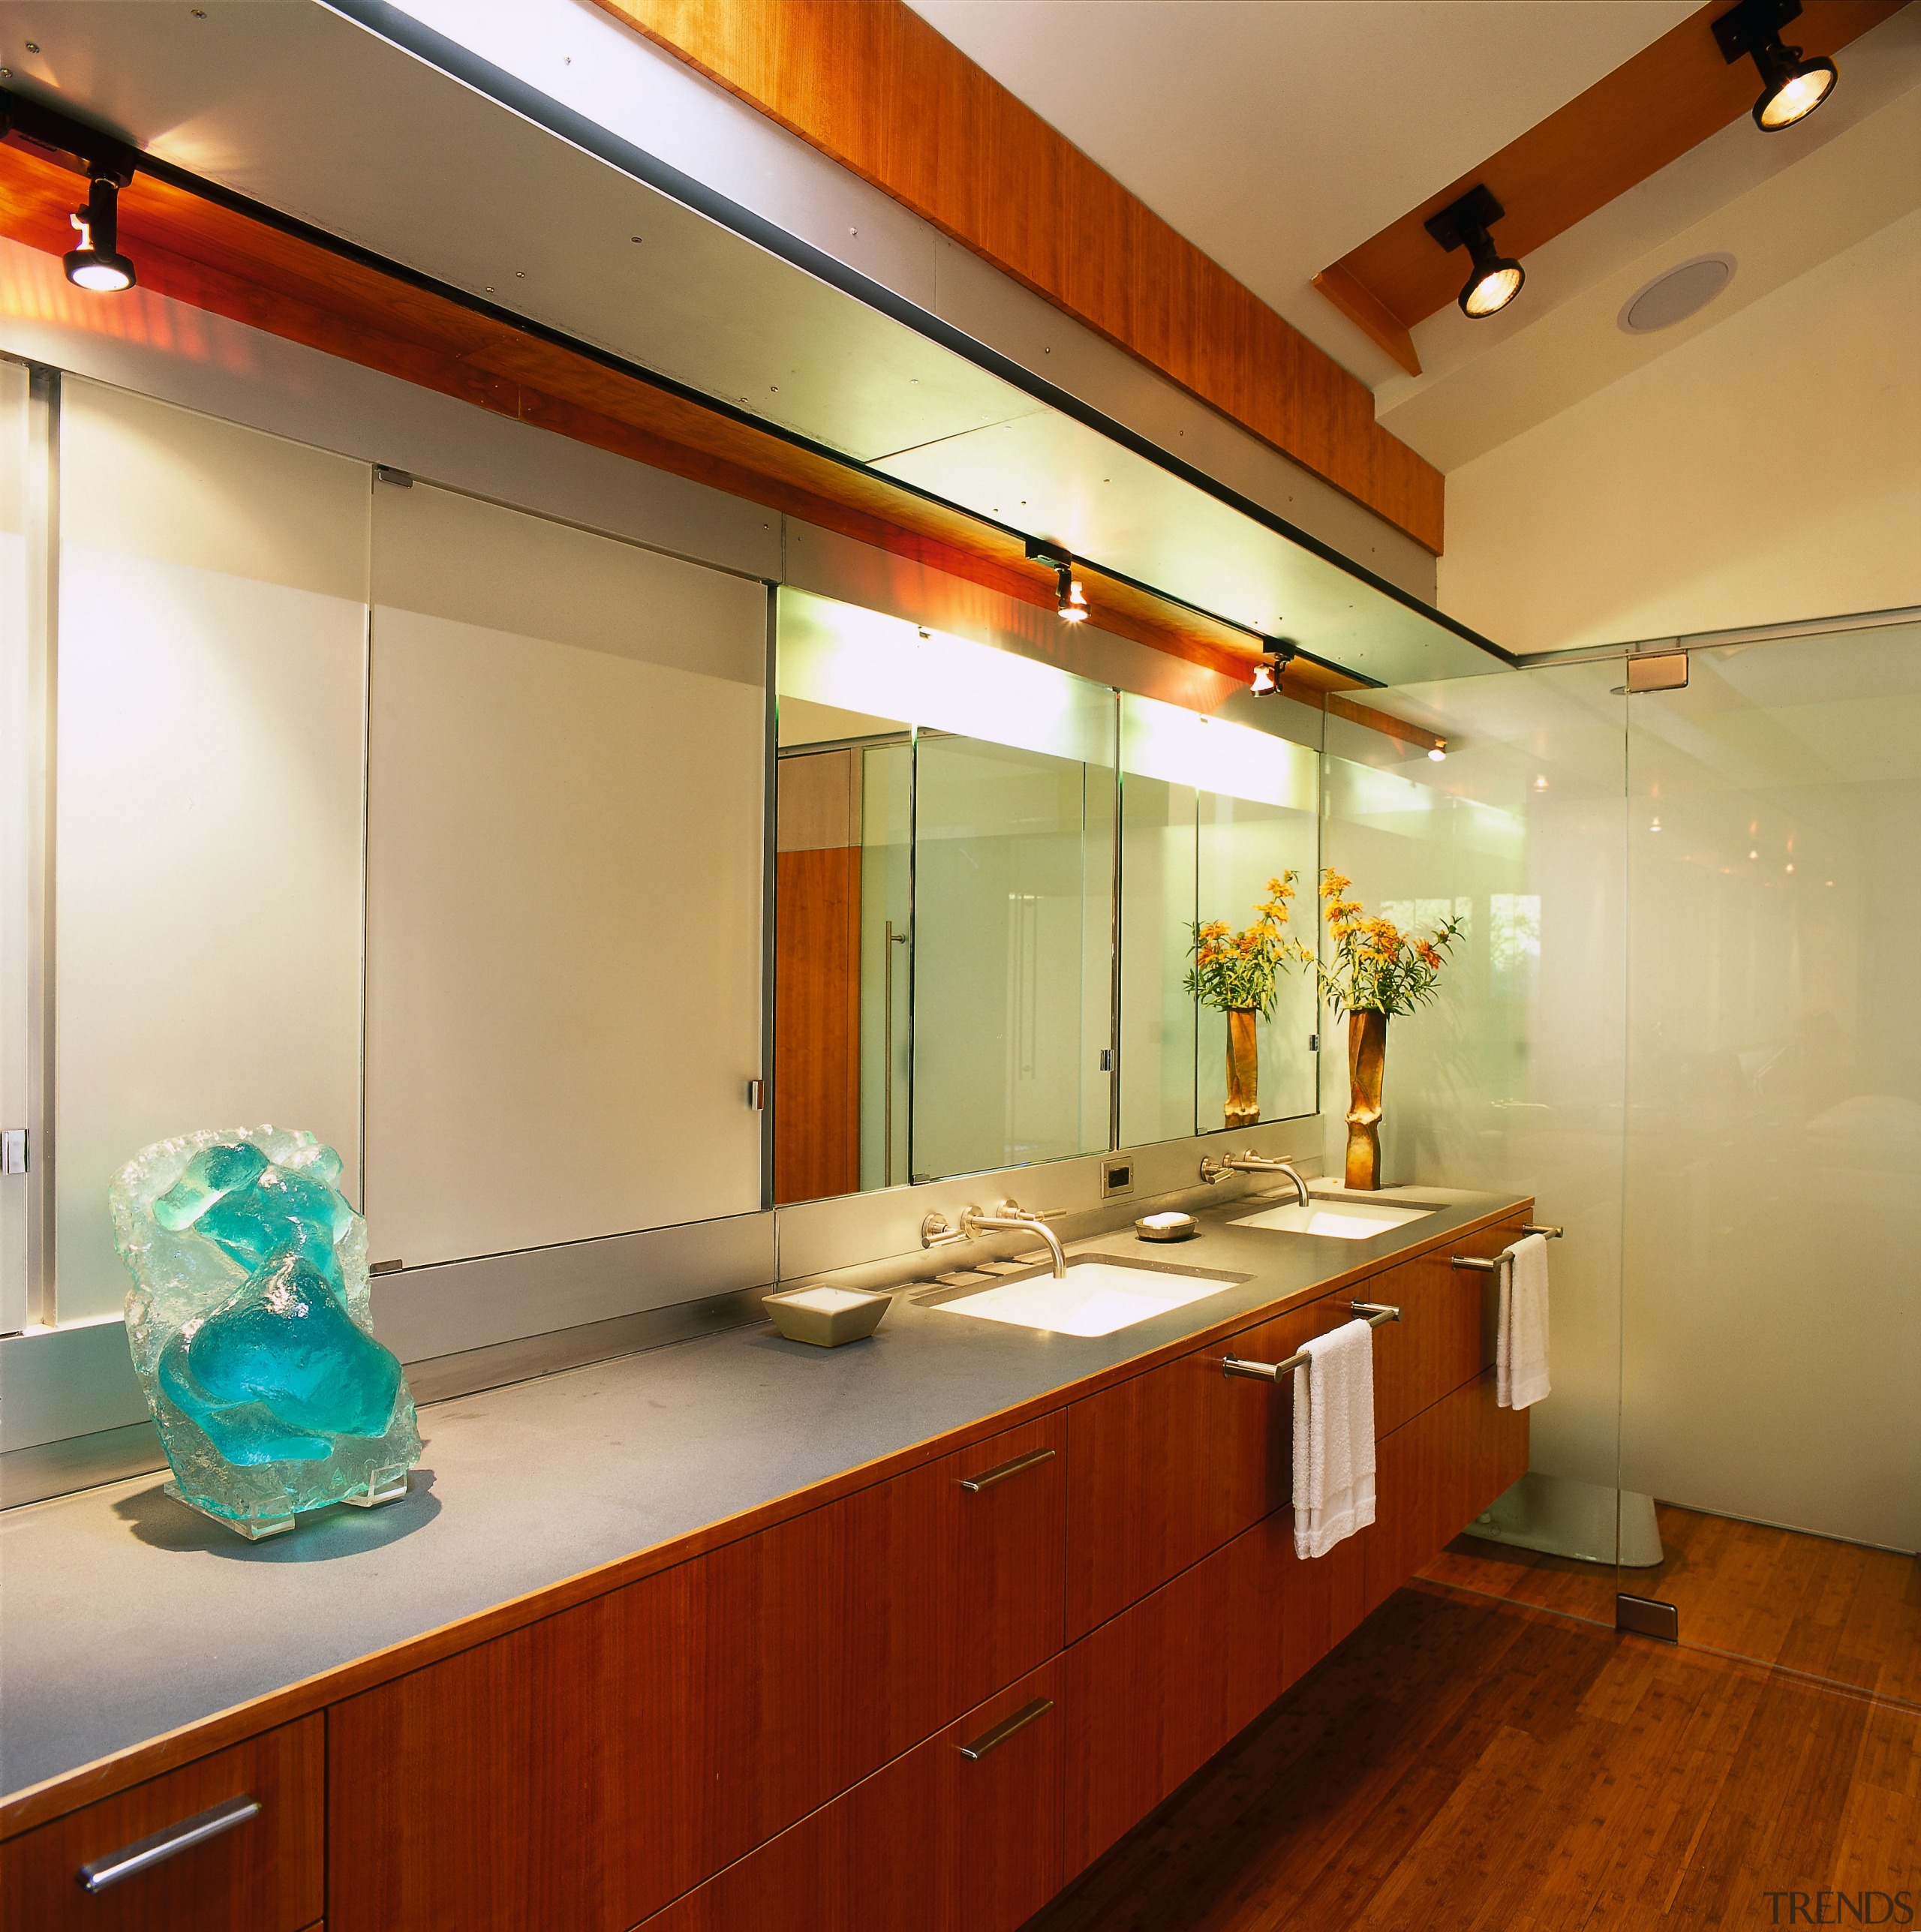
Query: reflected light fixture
[
  {"x": 1494, "y": 280},
  {"x": 1438, "y": 752},
  {"x": 1791, "y": 88},
  {"x": 1070, "y": 599},
  {"x": 1277, "y": 653},
  {"x": 97, "y": 263}
]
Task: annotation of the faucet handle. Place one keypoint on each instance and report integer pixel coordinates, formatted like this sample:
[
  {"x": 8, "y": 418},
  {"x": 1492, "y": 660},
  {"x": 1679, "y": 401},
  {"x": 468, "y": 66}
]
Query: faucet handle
[{"x": 1014, "y": 1211}]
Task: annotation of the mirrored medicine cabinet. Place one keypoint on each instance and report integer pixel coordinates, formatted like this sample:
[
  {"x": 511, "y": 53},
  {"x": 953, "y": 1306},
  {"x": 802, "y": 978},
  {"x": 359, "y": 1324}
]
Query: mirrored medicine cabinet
[{"x": 988, "y": 870}]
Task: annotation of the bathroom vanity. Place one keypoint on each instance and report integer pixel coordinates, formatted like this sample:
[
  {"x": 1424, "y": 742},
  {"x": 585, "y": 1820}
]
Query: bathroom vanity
[{"x": 744, "y": 1633}]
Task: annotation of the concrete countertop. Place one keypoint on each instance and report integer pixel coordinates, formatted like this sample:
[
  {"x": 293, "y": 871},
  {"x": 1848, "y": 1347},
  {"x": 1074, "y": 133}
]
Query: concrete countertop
[{"x": 124, "y": 1616}]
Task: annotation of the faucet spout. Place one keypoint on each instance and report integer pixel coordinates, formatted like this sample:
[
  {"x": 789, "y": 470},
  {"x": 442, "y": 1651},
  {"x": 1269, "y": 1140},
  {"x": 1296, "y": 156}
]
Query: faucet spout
[
  {"x": 1011, "y": 1218},
  {"x": 1214, "y": 1170}
]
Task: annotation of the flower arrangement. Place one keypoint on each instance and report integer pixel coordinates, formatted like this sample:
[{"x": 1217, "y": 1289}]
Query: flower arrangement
[
  {"x": 1240, "y": 971},
  {"x": 1377, "y": 968}
]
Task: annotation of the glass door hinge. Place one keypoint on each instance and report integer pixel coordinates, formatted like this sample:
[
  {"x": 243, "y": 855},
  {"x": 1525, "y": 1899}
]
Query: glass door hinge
[{"x": 12, "y": 1150}]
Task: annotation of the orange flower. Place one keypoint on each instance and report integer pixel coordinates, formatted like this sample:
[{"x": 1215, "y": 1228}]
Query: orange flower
[{"x": 1333, "y": 884}]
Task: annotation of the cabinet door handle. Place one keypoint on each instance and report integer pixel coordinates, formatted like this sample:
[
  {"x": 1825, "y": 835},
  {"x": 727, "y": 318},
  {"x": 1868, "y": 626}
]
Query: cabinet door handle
[
  {"x": 97, "y": 1874},
  {"x": 987, "y": 1478},
  {"x": 992, "y": 1740}
]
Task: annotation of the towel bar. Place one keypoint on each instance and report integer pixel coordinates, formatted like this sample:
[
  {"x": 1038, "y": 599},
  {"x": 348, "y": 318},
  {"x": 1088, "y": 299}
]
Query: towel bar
[
  {"x": 1375, "y": 1314},
  {"x": 1493, "y": 1265},
  {"x": 1552, "y": 1230}
]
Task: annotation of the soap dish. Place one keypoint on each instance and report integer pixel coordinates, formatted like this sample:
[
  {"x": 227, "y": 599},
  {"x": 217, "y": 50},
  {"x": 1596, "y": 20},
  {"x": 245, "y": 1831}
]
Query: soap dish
[
  {"x": 1169, "y": 1226},
  {"x": 826, "y": 1317}
]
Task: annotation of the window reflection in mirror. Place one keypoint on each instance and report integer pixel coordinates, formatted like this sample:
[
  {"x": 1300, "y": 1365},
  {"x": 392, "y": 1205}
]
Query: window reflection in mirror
[{"x": 1211, "y": 810}]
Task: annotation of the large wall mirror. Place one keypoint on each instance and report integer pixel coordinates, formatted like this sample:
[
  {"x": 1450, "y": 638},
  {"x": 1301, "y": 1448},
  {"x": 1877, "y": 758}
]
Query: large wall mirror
[{"x": 988, "y": 872}]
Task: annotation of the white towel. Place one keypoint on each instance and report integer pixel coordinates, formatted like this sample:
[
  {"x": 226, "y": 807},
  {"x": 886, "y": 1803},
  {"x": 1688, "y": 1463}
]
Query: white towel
[
  {"x": 1334, "y": 1439},
  {"x": 1520, "y": 1348}
]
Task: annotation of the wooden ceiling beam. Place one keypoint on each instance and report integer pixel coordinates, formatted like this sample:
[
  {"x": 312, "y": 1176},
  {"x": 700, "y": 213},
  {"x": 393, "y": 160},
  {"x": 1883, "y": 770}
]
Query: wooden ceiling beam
[
  {"x": 874, "y": 86},
  {"x": 1650, "y": 110}
]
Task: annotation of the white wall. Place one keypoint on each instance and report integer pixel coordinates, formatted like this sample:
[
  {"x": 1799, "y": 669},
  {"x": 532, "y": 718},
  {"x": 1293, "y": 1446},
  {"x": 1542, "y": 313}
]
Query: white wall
[{"x": 1766, "y": 470}]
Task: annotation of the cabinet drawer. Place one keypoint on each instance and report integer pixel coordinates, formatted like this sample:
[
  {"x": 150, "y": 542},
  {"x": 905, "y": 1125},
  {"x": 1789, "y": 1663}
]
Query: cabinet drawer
[
  {"x": 1155, "y": 1692},
  {"x": 1437, "y": 1474},
  {"x": 1445, "y": 1336},
  {"x": 261, "y": 1875},
  {"x": 938, "y": 1841},
  {"x": 1171, "y": 1464},
  {"x": 581, "y": 1773}
]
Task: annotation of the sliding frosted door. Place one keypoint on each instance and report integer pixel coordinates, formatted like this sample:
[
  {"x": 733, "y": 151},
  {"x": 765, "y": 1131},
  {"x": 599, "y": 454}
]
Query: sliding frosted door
[
  {"x": 1772, "y": 1326},
  {"x": 212, "y": 643},
  {"x": 564, "y": 884},
  {"x": 21, "y": 782}
]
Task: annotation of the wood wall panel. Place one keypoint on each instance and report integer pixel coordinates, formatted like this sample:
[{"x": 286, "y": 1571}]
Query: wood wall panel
[
  {"x": 817, "y": 1023},
  {"x": 936, "y": 1842},
  {"x": 264, "y": 1876},
  {"x": 871, "y": 84},
  {"x": 582, "y": 1772},
  {"x": 1650, "y": 110}
]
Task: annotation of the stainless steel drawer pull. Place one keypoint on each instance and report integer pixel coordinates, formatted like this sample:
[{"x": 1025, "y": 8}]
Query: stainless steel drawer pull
[
  {"x": 97, "y": 1874},
  {"x": 987, "y": 1478},
  {"x": 992, "y": 1740}
]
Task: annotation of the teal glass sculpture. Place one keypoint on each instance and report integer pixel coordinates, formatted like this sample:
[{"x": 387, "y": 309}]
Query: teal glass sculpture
[{"x": 251, "y": 1329}]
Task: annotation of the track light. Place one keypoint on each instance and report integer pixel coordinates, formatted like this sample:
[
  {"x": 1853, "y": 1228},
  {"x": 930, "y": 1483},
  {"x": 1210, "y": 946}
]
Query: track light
[
  {"x": 1495, "y": 280},
  {"x": 1277, "y": 655},
  {"x": 97, "y": 263},
  {"x": 1438, "y": 752},
  {"x": 1791, "y": 88},
  {"x": 1069, "y": 599}
]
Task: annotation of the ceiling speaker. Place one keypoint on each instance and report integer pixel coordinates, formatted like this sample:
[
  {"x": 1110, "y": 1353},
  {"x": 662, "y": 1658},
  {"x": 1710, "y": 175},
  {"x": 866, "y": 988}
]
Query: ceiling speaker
[{"x": 1675, "y": 293}]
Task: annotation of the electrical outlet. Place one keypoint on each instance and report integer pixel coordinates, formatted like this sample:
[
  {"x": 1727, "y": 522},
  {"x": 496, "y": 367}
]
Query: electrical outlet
[{"x": 1116, "y": 1177}]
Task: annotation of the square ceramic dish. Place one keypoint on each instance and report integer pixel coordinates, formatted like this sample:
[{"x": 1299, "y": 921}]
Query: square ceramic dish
[{"x": 826, "y": 1317}]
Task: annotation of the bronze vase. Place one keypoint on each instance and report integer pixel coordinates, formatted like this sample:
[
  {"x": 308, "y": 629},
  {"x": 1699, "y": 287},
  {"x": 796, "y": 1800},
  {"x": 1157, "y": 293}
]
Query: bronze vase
[
  {"x": 1243, "y": 1107},
  {"x": 1367, "y": 1054}
]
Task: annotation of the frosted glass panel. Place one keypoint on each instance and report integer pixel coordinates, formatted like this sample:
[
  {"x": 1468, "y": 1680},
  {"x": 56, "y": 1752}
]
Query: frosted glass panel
[
  {"x": 20, "y": 780},
  {"x": 1013, "y": 951},
  {"x": 564, "y": 884},
  {"x": 1773, "y": 1327},
  {"x": 212, "y": 643},
  {"x": 1512, "y": 1081}
]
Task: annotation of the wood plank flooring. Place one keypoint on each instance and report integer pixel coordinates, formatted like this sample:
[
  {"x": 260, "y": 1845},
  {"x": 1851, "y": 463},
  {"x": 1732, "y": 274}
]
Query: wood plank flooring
[
  {"x": 1463, "y": 1763},
  {"x": 1835, "y": 1610}
]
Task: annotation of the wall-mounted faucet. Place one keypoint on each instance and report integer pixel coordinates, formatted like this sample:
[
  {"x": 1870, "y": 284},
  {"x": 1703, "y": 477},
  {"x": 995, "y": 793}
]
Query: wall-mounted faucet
[
  {"x": 1214, "y": 1170},
  {"x": 1009, "y": 1218}
]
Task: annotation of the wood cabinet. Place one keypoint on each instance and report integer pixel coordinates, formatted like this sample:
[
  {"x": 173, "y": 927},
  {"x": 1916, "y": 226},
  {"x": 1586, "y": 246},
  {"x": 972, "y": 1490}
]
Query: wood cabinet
[
  {"x": 262, "y": 1875},
  {"x": 581, "y": 1772},
  {"x": 938, "y": 1841},
  {"x": 1436, "y": 1475},
  {"x": 1171, "y": 1464}
]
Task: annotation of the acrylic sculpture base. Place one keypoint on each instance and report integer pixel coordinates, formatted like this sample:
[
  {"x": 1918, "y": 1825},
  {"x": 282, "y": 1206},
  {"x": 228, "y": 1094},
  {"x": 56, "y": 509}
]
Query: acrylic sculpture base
[
  {"x": 387, "y": 1488},
  {"x": 251, "y": 1325}
]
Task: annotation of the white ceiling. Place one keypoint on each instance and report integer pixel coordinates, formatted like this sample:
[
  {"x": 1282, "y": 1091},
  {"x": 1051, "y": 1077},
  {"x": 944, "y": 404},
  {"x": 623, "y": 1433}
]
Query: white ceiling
[{"x": 1277, "y": 134}]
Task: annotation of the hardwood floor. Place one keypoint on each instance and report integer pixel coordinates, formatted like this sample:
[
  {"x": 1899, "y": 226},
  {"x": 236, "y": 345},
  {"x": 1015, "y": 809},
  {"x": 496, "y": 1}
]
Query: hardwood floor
[
  {"x": 1835, "y": 1610},
  {"x": 1464, "y": 1763}
]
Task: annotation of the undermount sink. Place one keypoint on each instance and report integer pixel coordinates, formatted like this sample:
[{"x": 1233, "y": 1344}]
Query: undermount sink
[
  {"x": 1096, "y": 1297},
  {"x": 1345, "y": 1220}
]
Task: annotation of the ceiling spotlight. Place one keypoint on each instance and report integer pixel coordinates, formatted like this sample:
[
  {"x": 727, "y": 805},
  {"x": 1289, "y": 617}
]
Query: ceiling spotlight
[
  {"x": 1277, "y": 653},
  {"x": 96, "y": 264},
  {"x": 1791, "y": 88},
  {"x": 1494, "y": 281},
  {"x": 1069, "y": 599},
  {"x": 1438, "y": 752}
]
